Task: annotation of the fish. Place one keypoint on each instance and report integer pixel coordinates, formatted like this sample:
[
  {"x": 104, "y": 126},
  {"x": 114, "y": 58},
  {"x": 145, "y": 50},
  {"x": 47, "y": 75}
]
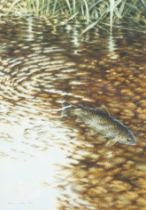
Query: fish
[{"x": 102, "y": 122}]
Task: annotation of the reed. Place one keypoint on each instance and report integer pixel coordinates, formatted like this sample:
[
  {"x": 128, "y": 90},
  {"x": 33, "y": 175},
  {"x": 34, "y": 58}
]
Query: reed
[{"x": 93, "y": 12}]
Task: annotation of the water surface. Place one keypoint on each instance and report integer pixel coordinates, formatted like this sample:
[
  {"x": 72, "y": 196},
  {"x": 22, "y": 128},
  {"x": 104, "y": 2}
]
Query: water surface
[{"x": 53, "y": 163}]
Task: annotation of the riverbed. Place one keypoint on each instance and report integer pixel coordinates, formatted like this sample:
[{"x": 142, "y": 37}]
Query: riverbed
[{"x": 51, "y": 162}]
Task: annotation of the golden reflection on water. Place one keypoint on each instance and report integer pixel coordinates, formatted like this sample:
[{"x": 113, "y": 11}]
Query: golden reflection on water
[{"x": 54, "y": 163}]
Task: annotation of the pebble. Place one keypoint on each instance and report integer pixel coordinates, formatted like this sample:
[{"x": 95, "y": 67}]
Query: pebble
[
  {"x": 119, "y": 186},
  {"x": 131, "y": 195},
  {"x": 142, "y": 183},
  {"x": 141, "y": 167},
  {"x": 128, "y": 113},
  {"x": 119, "y": 160},
  {"x": 143, "y": 103},
  {"x": 143, "y": 115},
  {"x": 127, "y": 92},
  {"x": 141, "y": 201},
  {"x": 97, "y": 191},
  {"x": 131, "y": 106}
]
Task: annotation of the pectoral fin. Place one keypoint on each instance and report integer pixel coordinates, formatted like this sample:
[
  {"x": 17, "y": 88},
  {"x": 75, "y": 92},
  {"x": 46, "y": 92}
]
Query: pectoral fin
[{"x": 111, "y": 142}]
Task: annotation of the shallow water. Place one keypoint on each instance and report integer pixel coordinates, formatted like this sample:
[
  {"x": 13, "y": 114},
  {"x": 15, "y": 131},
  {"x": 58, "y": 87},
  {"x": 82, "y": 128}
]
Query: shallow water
[{"x": 53, "y": 163}]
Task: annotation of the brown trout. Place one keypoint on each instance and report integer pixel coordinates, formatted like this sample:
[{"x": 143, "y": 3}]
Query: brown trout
[{"x": 101, "y": 121}]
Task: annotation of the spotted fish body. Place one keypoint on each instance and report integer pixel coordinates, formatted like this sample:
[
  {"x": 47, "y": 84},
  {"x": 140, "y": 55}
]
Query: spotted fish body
[{"x": 102, "y": 122}]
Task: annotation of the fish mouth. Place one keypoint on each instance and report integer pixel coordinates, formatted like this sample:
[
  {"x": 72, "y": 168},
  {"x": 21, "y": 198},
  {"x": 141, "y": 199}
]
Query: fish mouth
[{"x": 132, "y": 143}]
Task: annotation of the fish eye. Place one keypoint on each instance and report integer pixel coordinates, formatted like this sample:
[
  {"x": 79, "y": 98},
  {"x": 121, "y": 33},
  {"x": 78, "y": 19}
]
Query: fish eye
[{"x": 128, "y": 139}]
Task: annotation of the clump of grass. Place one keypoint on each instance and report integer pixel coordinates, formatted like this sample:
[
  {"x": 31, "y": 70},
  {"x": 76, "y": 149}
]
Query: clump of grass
[{"x": 93, "y": 12}]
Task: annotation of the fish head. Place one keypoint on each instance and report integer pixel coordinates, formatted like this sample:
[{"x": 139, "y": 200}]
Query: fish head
[{"x": 129, "y": 138}]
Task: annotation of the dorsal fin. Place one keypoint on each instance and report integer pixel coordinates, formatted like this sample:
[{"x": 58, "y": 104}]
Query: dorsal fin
[{"x": 103, "y": 109}]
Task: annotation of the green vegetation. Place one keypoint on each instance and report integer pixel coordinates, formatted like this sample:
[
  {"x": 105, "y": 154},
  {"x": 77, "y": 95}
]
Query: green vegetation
[{"x": 93, "y": 12}]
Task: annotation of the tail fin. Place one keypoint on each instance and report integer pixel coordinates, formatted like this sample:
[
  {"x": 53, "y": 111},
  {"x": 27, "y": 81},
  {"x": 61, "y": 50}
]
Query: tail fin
[{"x": 65, "y": 110}]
